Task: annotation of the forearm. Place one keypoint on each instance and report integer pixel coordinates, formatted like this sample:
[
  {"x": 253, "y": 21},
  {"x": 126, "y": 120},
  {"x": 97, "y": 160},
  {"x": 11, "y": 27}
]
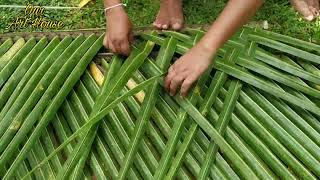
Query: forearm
[
  {"x": 235, "y": 14},
  {"x": 116, "y": 10}
]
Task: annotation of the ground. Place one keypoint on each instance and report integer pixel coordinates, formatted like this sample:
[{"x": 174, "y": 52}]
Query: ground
[{"x": 280, "y": 16}]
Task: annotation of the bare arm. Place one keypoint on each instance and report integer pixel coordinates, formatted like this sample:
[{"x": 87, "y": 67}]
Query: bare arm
[
  {"x": 187, "y": 69},
  {"x": 235, "y": 14},
  {"x": 118, "y": 35}
]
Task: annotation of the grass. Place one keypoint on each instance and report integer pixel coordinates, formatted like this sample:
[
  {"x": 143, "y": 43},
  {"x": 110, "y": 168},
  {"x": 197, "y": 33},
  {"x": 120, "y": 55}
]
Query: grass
[{"x": 279, "y": 14}]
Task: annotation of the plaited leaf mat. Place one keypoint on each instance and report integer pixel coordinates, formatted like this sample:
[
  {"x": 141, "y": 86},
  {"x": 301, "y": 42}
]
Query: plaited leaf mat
[{"x": 253, "y": 115}]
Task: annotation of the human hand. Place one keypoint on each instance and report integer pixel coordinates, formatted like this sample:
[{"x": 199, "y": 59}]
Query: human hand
[
  {"x": 119, "y": 31},
  {"x": 187, "y": 69}
]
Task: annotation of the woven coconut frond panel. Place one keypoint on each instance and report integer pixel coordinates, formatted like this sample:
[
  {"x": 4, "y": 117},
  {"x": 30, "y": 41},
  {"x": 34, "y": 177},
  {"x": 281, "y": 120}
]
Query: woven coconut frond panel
[{"x": 67, "y": 114}]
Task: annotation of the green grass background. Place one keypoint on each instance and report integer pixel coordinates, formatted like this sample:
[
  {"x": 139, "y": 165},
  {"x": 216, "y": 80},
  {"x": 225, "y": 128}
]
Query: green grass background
[{"x": 279, "y": 14}]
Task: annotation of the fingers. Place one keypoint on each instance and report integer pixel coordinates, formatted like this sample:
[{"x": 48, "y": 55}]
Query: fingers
[
  {"x": 175, "y": 83},
  {"x": 170, "y": 75},
  {"x": 119, "y": 46},
  {"x": 111, "y": 46},
  {"x": 186, "y": 85},
  {"x": 125, "y": 48},
  {"x": 174, "y": 80}
]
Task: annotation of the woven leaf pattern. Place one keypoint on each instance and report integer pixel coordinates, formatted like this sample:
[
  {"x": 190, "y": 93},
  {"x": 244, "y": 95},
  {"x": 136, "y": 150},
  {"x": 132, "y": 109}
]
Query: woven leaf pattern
[{"x": 253, "y": 115}]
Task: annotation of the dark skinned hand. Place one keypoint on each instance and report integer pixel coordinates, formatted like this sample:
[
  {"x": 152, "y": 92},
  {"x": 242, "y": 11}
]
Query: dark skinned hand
[{"x": 119, "y": 31}]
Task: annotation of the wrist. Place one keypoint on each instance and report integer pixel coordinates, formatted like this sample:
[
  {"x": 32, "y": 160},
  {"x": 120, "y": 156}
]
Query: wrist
[
  {"x": 109, "y": 3},
  {"x": 117, "y": 11},
  {"x": 113, "y": 7},
  {"x": 208, "y": 48}
]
